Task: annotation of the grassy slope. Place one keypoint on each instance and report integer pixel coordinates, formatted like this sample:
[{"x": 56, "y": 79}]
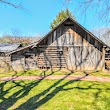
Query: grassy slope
[
  {"x": 54, "y": 72},
  {"x": 54, "y": 95}
]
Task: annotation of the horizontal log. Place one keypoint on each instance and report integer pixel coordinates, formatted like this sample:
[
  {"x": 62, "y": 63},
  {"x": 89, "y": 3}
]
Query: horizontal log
[
  {"x": 57, "y": 62},
  {"x": 52, "y": 48},
  {"x": 52, "y": 61},
  {"x": 57, "y": 54},
  {"x": 52, "y": 66},
  {"x": 53, "y": 56},
  {"x": 51, "y": 52}
]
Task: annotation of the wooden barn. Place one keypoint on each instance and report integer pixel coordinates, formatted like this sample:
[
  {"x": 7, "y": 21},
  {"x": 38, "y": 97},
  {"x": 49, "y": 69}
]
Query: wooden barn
[{"x": 69, "y": 45}]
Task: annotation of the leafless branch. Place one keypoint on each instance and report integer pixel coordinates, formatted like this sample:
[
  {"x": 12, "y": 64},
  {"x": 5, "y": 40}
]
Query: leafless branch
[
  {"x": 100, "y": 8},
  {"x": 11, "y": 4}
]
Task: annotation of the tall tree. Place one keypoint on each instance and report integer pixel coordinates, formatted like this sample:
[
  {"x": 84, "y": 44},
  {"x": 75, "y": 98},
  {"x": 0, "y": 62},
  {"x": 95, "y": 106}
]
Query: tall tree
[{"x": 60, "y": 17}]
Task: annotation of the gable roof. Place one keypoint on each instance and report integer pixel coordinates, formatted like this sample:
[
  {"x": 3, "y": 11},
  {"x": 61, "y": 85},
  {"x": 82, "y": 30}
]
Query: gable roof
[{"x": 69, "y": 18}]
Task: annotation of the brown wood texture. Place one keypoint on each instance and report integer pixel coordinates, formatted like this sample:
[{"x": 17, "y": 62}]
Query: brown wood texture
[
  {"x": 107, "y": 60},
  {"x": 82, "y": 52},
  {"x": 52, "y": 57},
  {"x": 69, "y": 46}
]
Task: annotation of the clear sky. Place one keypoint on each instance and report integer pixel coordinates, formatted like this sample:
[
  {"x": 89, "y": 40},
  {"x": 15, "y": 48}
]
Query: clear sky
[{"x": 36, "y": 18}]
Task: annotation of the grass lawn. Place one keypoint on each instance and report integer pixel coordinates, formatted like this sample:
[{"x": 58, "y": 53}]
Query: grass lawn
[
  {"x": 54, "y": 95},
  {"x": 53, "y": 72}
]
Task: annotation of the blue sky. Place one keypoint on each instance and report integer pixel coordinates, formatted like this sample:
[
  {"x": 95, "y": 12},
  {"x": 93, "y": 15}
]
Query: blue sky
[{"x": 38, "y": 14}]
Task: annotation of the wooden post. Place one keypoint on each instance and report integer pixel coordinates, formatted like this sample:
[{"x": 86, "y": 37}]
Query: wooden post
[{"x": 103, "y": 59}]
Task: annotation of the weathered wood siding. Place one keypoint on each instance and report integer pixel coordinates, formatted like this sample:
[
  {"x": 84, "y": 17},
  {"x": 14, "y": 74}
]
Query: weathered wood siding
[
  {"x": 83, "y": 51},
  {"x": 69, "y": 46},
  {"x": 52, "y": 57},
  {"x": 25, "y": 59},
  {"x": 84, "y": 58},
  {"x": 107, "y": 59},
  {"x": 70, "y": 35}
]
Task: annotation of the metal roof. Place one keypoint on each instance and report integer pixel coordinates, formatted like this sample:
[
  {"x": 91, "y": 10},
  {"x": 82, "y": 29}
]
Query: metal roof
[{"x": 4, "y": 48}]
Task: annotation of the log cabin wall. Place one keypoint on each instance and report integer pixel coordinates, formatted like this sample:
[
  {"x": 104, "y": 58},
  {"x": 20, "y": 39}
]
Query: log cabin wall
[{"x": 52, "y": 57}]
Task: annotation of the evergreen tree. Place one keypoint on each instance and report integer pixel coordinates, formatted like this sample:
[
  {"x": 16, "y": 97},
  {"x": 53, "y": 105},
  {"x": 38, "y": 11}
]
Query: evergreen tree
[{"x": 63, "y": 14}]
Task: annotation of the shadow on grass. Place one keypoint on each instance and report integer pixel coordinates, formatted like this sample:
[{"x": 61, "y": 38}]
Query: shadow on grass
[
  {"x": 36, "y": 101},
  {"x": 8, "y": 102},
  {"x": 11, "y": 100}
]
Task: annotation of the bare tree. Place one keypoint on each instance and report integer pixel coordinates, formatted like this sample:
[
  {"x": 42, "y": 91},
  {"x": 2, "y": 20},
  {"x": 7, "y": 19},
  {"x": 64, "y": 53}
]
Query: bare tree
[
  {"x": 101, "y": 8},
  {"x": 16, "y": 34},
  {"x": 15, "y": 5},
  {"x": 103, "y": 34}
]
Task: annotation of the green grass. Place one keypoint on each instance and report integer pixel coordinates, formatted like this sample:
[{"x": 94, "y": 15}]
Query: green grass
[
  {"x": 54, "y": 95},
  {"x": 53, "y": 72}
]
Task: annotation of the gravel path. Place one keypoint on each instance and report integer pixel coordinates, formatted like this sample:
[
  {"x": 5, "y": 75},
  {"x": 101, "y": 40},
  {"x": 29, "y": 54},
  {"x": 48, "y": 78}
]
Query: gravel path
[{"x": 86, "y": 78}]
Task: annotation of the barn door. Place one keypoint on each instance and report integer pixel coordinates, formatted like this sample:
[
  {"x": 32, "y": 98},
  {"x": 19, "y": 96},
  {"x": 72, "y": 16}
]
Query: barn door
[
  {"x": 83, "y": 58},
  {"x": 92, "y": 58}
]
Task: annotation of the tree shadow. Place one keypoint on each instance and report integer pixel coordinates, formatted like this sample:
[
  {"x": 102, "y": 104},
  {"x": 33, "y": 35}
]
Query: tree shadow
[
  {"x": 22, "y": 92},
  {"x": 34, "y": 102},
  {"x": 25, "y": 89},
  {"x": 47, "y": 94}
]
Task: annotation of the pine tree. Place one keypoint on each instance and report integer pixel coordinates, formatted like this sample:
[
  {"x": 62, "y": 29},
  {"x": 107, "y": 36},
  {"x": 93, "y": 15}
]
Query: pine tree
[{"x": 63, "y": 14}]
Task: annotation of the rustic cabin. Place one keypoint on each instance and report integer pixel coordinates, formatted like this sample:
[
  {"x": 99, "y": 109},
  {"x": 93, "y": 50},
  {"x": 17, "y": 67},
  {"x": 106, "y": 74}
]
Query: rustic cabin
[{"x": 69, "y": 45}]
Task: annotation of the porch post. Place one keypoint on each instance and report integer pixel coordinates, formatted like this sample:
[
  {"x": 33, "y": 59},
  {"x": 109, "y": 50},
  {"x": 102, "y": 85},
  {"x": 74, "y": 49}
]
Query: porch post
[{"x": 103, "y": 58}]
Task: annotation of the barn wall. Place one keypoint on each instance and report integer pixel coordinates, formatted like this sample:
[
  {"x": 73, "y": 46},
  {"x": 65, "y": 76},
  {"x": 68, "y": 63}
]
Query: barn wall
[
  {"x": 84, "y": 58},
  {"x": 52, "y": 57},
  {"x": 69, "y": 46},
  {"x": 70, "y": 35},
  {"x": 84, "y": 52}
]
